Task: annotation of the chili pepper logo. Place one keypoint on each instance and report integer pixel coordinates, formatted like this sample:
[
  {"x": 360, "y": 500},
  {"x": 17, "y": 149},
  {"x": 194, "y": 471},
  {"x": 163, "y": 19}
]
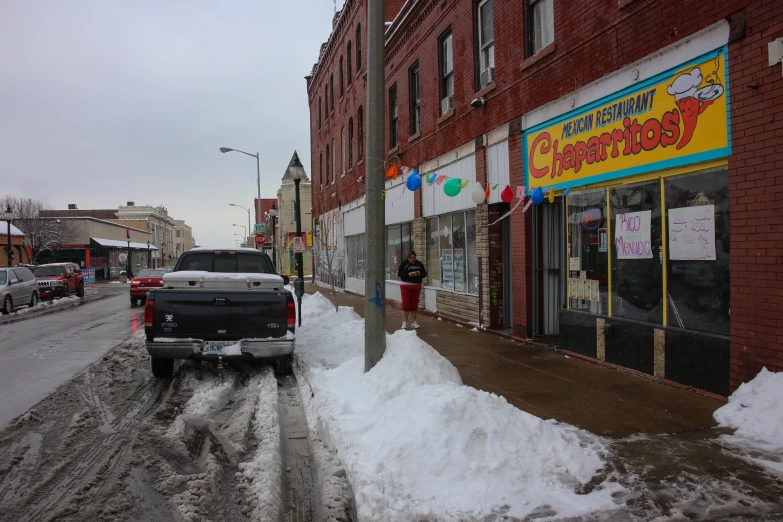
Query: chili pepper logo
[{"x": 693, "y": 98}]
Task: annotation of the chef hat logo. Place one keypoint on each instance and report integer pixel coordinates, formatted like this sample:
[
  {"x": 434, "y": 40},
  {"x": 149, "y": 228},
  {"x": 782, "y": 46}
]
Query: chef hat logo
[{"x": 686, "y": 84}]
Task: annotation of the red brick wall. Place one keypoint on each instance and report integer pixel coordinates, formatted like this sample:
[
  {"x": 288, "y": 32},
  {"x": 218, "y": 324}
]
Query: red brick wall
[
  {"x": 756, "y": 192},
  {"x": 592, "y": 39}
]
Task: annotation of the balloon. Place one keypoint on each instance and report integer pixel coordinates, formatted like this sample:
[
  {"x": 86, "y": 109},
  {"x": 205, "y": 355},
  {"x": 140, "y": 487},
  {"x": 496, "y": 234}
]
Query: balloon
[
  {"x": 478, "y": 194},
  {"x": 552, "y": 195},
  {"x": 414, "y": 181},
  {"x": 465, "y": 183},
  {"x": 441, "y": 179},
  {"x": 393, "y": 172},
  {"x": 538, "y": 196},
  {"x": 486, "y": 192},
  {"x": 507, "y": 195},
  {"x": 453, "y": 187}
]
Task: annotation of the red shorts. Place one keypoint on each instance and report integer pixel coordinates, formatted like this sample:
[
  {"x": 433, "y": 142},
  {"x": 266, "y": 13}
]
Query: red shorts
[{"x": 410, "y": 297}]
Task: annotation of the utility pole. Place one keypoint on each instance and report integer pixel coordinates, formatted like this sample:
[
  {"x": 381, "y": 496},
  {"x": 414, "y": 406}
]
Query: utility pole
[{"x": 375, "y": 212}]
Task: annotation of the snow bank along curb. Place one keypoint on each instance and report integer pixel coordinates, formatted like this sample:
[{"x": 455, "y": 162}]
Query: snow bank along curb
[
  {"x": 42, "y": 308},
  {"x": 755, "y": 409},
  {"x": 417, "y": 444}
]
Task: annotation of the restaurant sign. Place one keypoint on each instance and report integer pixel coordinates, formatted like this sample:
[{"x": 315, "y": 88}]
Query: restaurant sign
[{"x": 672, "y": 119}]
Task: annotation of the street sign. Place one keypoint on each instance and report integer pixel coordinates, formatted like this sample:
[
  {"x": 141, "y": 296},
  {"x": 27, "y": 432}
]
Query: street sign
[
  {"x": 260, "y": 240},
  {"x": 251, "y": 241},
  {"x": 260, "y": 228},
  {"x": 297, "y": 245}
]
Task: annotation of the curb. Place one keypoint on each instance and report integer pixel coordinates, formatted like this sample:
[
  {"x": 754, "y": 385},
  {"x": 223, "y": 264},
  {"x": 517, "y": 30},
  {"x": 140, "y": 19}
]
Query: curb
[{"x": 33, "y": 315}]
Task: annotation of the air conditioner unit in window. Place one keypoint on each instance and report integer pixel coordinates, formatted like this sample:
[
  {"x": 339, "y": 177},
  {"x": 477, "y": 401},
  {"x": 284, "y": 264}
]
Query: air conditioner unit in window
[
  {"x": 487, "y": 76},
  {"x": 446, "y": 104}
]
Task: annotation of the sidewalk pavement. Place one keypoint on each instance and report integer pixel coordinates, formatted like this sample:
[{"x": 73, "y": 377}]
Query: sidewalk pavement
[
  {"x": 548, "y": 384},
  {"x": 665, "y": 444}
]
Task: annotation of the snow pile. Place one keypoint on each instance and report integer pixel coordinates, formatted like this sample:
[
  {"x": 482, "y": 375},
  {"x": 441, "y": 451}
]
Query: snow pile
[
  {"x": 755, "y": 409},
  {"x": 417, "y": 444},
  {"x": 48, "y": 305}
]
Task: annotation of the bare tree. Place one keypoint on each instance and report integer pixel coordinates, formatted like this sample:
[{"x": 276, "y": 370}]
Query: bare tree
[
  {"x": 41, "y": 234},
  {"x": 325, "y": 246}
]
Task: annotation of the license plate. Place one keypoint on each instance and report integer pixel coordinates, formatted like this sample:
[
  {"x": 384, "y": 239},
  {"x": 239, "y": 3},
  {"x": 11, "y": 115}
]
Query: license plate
[{"x": 215, "y": 347}]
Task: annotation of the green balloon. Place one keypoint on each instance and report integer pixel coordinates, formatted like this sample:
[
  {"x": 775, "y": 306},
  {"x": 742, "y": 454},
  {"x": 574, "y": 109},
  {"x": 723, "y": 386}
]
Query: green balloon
[{"x": 452, "y": 187}]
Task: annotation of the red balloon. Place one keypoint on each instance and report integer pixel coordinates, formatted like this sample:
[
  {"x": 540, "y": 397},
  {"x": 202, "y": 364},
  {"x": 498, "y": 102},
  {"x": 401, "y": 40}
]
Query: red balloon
[{"x": 507, "y": 195}]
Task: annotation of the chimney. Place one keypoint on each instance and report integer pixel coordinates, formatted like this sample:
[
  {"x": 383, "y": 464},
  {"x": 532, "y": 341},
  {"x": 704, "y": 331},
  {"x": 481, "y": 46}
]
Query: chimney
[
  {"x": 130, "y": 203},
  {"x": 72, "y": 206}
]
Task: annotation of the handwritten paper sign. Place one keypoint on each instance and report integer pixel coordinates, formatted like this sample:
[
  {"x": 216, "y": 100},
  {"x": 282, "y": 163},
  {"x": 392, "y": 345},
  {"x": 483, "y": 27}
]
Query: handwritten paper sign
[
  {"x": 632, "y": 235},
  {"x": 692, "y": 233}
]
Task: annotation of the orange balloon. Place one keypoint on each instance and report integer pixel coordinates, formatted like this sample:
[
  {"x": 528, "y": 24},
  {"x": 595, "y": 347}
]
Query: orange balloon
[
  {"x": 393, "y": 172},
  {"x": 486, "y": 192}
]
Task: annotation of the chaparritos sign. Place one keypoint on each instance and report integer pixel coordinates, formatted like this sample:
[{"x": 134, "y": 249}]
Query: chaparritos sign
[{"x": 673, "y": 119}]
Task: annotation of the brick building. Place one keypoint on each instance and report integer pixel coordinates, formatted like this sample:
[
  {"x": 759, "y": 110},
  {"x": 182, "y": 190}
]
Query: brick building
[{"x": 642, "y": 123}]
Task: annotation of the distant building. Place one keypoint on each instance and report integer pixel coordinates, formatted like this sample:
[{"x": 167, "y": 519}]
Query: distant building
[
  {"x": 158, "y": 222},
  {"x": 21, "y": 252},
  {"x": 286, "y": 224},
  {"x": 183, "y": 238}
]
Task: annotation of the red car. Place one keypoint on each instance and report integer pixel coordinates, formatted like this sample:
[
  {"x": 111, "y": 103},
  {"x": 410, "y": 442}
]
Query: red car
[
  {"x": 146, "y": 280},
  {"x": 59, "y": 280}
]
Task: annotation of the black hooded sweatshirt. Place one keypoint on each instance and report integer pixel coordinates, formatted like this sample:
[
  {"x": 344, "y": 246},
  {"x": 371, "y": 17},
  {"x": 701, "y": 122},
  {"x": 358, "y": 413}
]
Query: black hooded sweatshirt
[{"x": 412, "y": 272}]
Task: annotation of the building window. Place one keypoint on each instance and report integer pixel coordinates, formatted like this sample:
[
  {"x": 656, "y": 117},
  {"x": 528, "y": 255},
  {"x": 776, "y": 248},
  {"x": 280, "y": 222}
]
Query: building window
[
  {"x": 344, "y": 150},
  {"x": 342, "y": 83},
  {"x": 629, "y": 228},
  {"x": 356, "y": 257},
  {"x": 393, "y": 116},
  {"x": 319, "y": 112},
  {"x": 326, "y": 99},
  {"x": 360, "y": 141},
  {"x": 539, "y": 25},
  {"x": 446, "y": 74},
  {"x": 358, "y": 47},
  {"x": 334, "y": 153},
  {"x": 486, "y": 44},
  {"x": 350, "y": 143},
  {"x": 321, "y": 169},
  {"x": 452, "y": 262},
  {"x": 399, "y": 241},
  {"x": 349, "y": 62},
  {"x": 415, "y": 98},
  {"x": 179, "y": 233},
  {"x": 331, "y": 91},
  {"x": 327, "y": 164}
]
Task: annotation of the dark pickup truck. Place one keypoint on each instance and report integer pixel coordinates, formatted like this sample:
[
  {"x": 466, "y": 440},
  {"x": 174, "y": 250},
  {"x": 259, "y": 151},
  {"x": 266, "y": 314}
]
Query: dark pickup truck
[{"x": 220, "y": 304}]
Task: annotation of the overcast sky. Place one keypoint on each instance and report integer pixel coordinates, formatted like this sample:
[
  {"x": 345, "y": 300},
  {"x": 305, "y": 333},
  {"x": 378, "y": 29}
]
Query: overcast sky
[{"x": 103, "y": 102}]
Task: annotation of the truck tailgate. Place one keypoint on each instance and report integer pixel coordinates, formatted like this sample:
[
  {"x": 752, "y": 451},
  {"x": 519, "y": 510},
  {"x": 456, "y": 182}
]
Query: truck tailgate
[{"x": 219, "y": 315}]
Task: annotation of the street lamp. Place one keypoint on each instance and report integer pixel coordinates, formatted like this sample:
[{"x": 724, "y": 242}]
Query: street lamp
[
  {"x": 296, "y": 172},
  {"x": 258, "y": 170},
  {"x": 243, "y": 228},
  {"x": 148, "y": 254},
  {"x": 8, "y": 215},
  {"x": 248, "y": 213},
  {"x": 273, "y": 214}
]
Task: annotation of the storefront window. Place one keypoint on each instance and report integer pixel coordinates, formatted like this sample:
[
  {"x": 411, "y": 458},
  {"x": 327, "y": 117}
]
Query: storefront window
[
  {"x": 588, "y": 251},
  {"x": 399, "y": 241},
  {"x": 637, "y": 258},
  {"x": 451, "y": 252},
  {"x": 697, "y": 208},
  {"x": 433, "y": 252}
]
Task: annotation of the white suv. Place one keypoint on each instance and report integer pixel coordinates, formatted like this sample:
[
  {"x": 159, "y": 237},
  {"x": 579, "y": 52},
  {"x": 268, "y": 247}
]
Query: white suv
[{"x": 18, "y": 287}]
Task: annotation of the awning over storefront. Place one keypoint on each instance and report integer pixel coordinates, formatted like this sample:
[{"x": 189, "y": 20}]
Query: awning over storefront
[{"x": 96, "y": 242}]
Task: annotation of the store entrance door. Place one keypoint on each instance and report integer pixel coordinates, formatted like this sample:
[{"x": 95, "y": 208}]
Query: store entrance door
[{"x": 549, "y": 276}]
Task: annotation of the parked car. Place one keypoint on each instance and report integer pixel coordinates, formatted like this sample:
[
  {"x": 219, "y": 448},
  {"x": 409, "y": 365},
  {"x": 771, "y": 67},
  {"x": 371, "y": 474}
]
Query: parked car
[
  {"x": 219, "y": 305},
  {"x": 146, "y": 280},
  {"x": 59, "y": 280},
  {"x": 18, "y": 287}
]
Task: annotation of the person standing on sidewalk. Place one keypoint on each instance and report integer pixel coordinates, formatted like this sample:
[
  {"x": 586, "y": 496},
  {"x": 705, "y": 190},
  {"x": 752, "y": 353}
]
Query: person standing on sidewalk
[{"x": 411, "y": 273}]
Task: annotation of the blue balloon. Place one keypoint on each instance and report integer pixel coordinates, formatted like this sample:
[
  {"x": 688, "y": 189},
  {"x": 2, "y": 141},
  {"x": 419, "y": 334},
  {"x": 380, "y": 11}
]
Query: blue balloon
[
  {"x": 538, "y": 196},
  {"x": 414, "y": 181}
]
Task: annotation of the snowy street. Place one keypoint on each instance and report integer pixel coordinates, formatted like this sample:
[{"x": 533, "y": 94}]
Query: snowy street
[{"x": 406, "y": 441}]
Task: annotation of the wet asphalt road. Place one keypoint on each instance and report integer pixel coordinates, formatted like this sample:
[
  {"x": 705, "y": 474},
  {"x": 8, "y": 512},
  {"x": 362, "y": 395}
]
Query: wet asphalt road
[{"x": 39, "y": 354}]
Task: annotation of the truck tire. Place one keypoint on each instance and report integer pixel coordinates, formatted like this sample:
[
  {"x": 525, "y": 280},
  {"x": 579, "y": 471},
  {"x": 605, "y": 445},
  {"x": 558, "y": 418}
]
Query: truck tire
[
  {"x": 80, "y": 290},
  {"x": 284, "y": 365},
  {"x": 8, "y": 305},
  {"x": 34, "y": 299},
  {"x": 134, "y": 301},
  {"x": 162, "y": 368}
]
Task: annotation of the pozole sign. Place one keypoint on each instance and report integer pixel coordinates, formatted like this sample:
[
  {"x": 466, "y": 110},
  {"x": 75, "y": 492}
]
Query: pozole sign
[{"x": 675, "y": 118}]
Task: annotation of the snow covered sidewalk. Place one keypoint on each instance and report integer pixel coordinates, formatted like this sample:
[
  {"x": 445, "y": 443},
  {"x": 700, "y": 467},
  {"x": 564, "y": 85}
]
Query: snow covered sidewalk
[
  {"x": 46, "y": 305},
  {"x": 416, "y": 443}
]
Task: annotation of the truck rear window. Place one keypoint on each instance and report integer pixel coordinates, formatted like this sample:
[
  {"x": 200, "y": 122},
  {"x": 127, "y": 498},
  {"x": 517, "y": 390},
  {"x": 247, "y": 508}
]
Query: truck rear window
[{"x": 227, "y": 263}]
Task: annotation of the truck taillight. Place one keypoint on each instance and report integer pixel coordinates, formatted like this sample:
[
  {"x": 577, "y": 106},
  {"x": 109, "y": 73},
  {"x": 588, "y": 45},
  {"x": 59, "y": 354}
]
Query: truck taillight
[
  {"x": 290, "y": 313},
  {"x": 149, "y": 312}
]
